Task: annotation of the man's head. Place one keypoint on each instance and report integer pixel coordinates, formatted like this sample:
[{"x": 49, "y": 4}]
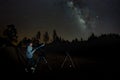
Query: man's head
[{"x": 31, "y": 44}]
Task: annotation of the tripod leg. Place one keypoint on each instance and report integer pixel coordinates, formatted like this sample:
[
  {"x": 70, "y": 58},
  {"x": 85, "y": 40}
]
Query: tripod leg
[
  {"x": 72, "y": 61},
  {"x": 38, "y": 60},
  {"x": 45, "y": 60},
  {"x": 64, "y": 62},
  {"x": 47, "y": 63}
]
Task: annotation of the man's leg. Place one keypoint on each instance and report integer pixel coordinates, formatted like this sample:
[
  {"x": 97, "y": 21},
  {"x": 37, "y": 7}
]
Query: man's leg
[{"x": 30, "y": 65}]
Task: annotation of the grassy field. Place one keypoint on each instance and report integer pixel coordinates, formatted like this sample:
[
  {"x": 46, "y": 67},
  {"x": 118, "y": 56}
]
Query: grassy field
[{"x": 84, "y": 68}]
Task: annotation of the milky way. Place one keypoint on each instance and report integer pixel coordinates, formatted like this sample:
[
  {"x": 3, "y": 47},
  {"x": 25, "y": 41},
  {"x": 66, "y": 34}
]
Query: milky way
[{"x": 82, "y": 17}]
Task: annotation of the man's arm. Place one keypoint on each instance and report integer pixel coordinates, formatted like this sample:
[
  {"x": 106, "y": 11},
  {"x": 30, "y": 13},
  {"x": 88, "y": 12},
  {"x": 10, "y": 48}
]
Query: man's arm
[
  {"x": 33, "y": 51},
  {"x": 40, "y": 46}
]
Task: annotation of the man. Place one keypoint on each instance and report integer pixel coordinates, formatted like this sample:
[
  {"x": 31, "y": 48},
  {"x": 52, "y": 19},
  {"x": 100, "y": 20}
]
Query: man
[{"x": 29, "y": 55}]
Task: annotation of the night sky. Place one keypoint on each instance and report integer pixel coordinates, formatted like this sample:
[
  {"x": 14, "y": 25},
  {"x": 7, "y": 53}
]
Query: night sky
[{"x": 70, "y": 18}]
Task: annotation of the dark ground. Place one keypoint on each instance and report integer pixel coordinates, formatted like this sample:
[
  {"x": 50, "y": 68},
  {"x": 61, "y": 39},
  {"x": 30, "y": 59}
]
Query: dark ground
[{"x": 86, "y": 67}]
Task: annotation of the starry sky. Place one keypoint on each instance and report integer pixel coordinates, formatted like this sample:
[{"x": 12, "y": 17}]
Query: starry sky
[{"x": 70, "y": 18}]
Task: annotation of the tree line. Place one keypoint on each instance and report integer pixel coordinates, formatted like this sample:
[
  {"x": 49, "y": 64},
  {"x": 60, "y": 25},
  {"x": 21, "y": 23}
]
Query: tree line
[{"x": 58, "y": 43}]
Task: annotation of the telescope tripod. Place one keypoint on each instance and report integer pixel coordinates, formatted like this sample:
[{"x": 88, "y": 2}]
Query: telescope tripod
[
  {"x": 45, "y": 60},
  {"x": 68, "y": 57}
]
